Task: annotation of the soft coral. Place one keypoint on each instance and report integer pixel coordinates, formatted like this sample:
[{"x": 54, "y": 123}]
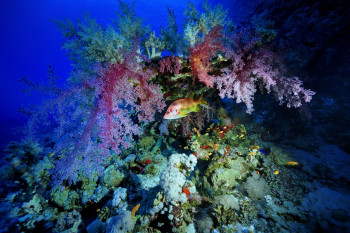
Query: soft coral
[
  {"x": 253, "y": 65},
  {"x": 122, "y": 92},
  {"x": 203, "y": 52}
]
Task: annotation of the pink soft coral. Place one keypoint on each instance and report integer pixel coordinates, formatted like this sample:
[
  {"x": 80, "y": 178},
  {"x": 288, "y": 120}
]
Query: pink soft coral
[
  {"x": 170, "y": 64},
  {"x": 252, "y": 66}
]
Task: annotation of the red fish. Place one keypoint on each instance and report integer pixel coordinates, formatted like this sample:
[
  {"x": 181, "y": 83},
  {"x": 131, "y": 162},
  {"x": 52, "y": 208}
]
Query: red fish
[{"x": 181, "y": 107}]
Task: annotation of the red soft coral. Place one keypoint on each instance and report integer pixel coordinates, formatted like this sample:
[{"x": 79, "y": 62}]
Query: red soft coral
[
  {"x": 124, "y": 91},
  {"x": 203, "y": 52}
]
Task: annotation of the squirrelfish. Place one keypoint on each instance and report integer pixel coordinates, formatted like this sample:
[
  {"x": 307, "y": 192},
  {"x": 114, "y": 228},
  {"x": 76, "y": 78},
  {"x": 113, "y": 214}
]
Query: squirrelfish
[{"x": 181, "y": 107}]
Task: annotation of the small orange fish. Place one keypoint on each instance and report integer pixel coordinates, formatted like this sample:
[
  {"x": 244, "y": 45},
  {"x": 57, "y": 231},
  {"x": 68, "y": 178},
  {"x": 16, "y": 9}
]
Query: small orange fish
[
  {"x": 197, "y": 131},
  {"x": 134, "y": 210},
  {"x": 216, "y": 146},
  {"x": 276, "y": 172},
  {"x": 255, "y": 147},
  {"x": 186, "y": 191},
  {"x": 227, "y": 149},
  {"x": 206, "y": 147},
  {"x": 181, "y": 107},
  {"x": 257, "y": 172},
  {"x": 292, "y": 163},
  {"x": 147, "y": 161}
]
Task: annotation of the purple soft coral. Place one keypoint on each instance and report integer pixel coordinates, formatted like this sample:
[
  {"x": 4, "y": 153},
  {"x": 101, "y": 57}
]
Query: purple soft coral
[{"x": 121, "y": 91}]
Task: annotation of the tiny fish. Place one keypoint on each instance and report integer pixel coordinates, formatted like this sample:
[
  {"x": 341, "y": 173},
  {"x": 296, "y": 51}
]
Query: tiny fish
[
  {"x": 147, "y": 161},
  {"x": 255, "y": 147},
  {"x": 263, "y": 152},
  {"x": 186, "y": 191},
  {"x": 276, "y": 172},
  {"x": 227, "y": 149},
  {"x": 292, "y": 163},
  {"x": 134, "y": 210},
  {"x": 216, "y": 146}
]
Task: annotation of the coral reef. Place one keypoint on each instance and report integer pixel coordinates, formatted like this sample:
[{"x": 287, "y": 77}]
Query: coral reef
[{"x": 100, "y": 157}]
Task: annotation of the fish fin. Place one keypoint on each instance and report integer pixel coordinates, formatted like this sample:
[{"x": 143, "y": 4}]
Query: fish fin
[
  {"x": 197, "y": 109},
  {"x": 191, "y": 96},
  {"x": 201, "y": 101},
  {"x": 182, "y": 114}
]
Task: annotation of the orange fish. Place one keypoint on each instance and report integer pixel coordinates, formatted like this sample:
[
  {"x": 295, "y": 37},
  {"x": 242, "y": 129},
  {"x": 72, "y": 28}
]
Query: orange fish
[
  {"x": 147, "y": 161},
  {"x": 227, "y": 149},
  {"x": 292, "y": 163},
  {"x": 134, "y": 210},
  {"x": 186, "y": 191},
  {"x": 276, "y": 172},
  {"x": 181, "y": 107}
]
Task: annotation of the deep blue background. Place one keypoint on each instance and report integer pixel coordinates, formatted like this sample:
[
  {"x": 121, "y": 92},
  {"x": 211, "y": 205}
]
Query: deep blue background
[{"x": 30, "y": 41}]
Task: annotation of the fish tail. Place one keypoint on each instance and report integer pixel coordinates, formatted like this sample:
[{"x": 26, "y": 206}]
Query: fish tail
[{"x": 204, "y": 102}]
